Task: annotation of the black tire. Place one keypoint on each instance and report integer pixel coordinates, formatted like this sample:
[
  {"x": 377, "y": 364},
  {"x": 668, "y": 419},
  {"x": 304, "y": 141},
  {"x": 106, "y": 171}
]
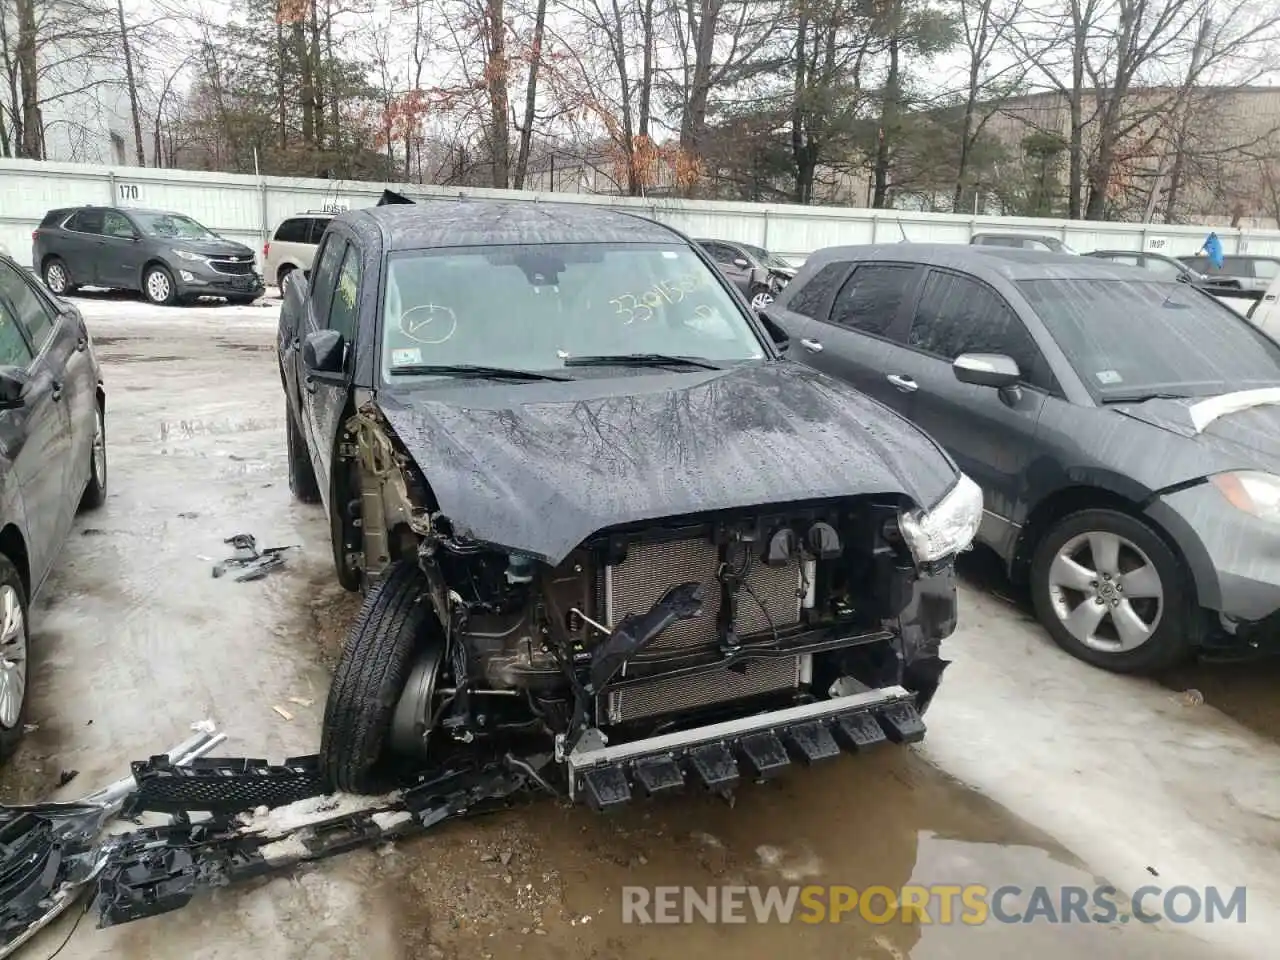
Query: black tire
[
  {"x": 11, "y": 736},
  {"x": 302, "y": 472},
  {"x": 282, "y": 275},
  {"x": 162, "y": 294},
  {"x": 354, "y": 743},
  {"x": 95, "y": 494},
  {"x": 60, "y": 284},
  {"x": 1174, "y": 638}
]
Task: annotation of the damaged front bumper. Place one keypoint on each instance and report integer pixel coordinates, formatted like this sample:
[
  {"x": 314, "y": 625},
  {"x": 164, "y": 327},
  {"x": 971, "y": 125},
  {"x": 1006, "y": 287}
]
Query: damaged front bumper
[{"x": 718, "y": 755}]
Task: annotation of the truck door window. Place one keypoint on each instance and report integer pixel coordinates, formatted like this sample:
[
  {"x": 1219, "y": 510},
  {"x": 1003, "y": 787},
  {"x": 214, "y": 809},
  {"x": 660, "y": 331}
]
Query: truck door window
[
  {"x": 325, "y": 276},
  {"x": 342, "y": 311}
]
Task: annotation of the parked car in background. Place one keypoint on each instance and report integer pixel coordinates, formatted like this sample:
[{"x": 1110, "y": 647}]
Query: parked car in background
[
  {"x": 1124, "y": 429},
  {"x": 1253, "y": 273},
  {"x": 759, "y": 274},
  {"x": 1170, "y": 268},
  {"x": 53, "y": 460},
  {"x": 762, "y": 557},
  {"x": 1265, "y": 313},
  {"x": 1023, "y": 241},
  {"x": 293, "y": 245},
  {"x": 167, "y": 256}
]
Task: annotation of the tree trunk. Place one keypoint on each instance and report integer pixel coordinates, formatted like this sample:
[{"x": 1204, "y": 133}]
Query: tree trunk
[
  {"x": 889, "y": 110},
  {"x": 618, "y": 41},
  {"x": 531, "y": 95},
  {"x": 499, "y": 104},
  {"x": 132, "y": 83},
  {"x": 646, "y": 68},
  {"x": 802, "y": 154},
  {"x": 32, "y": 137}
]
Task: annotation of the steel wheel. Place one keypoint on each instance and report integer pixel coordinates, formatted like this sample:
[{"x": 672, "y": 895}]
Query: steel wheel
[
  {"x": 13, "y": 657},
  {"x": 159, "y": 286},
  {"x": 1106, "y": 592},
  {"x": 761, "y": 300},
  {"x": 55, "y": 278}
]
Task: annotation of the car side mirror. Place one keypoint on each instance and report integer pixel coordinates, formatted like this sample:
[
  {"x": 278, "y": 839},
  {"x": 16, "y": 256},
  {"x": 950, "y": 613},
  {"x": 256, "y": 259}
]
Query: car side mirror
[
  {"x": 323, "y": 351},
  {"x": 740, "y": 262},
  {"x": 13, "y": 384},
  {"x": 781, "y": 339},
  {"x": 986, "y": 370}
]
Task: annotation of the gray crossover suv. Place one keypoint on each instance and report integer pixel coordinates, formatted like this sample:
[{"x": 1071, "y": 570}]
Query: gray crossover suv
[{"x": 169, "y": 257}]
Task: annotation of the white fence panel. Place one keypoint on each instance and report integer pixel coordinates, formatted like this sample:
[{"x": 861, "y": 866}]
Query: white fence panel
[{"x": 248, "y": 208}]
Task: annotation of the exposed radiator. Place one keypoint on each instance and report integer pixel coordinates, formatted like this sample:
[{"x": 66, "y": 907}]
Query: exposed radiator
[
  {"x": 651, "y": 568},
  {"x": 685, "y": 693}
]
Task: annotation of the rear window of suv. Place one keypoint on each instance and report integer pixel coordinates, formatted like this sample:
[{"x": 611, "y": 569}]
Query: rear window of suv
[{"x": 301, "y": 230}]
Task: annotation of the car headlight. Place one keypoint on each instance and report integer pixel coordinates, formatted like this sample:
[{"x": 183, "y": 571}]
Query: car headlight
[
  {"x": 1252, "y": 491},
  {"x": 946, "y": 529},
  {"x": 185, "y": 255}
]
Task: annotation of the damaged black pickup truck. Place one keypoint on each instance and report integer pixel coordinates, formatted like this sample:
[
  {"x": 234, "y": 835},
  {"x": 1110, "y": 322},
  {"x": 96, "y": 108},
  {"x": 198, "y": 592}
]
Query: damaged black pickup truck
[{"x": 598, "y": 517}]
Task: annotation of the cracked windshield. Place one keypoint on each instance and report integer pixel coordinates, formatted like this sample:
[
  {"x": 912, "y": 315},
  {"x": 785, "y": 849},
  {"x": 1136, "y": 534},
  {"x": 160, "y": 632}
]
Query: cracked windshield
[{"x": 530, "y": 308}]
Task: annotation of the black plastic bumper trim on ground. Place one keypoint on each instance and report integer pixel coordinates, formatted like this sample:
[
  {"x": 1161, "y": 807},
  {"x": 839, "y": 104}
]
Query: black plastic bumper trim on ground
[{"x": 222, "y": 785}]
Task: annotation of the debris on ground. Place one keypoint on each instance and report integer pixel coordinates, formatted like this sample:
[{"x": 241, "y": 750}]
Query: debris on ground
[
  {"x": 67, "y": 776},
  {"x": 1189, "y": 698},
  {"x": 63, "y": 838},
  {"x": 252, "y": 562},
  {"x": 283, "y": 712}
]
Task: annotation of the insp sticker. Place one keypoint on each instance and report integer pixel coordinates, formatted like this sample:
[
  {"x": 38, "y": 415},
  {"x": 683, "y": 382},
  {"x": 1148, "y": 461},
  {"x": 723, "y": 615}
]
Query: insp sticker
[
  {"x": 1109, "y": 376},
  {"x": 404, "y": 356}
]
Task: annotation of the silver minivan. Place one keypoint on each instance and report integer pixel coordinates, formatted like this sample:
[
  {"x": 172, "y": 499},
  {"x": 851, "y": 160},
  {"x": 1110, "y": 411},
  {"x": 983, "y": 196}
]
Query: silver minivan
[{"x": 293, "y": 245}]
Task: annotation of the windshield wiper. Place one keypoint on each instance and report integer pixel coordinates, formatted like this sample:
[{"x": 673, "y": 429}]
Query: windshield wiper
[
  {"x": 1142, "y": 397},
  {"x": 472, "y": 370},
  {"x": 641, "y": 360}
]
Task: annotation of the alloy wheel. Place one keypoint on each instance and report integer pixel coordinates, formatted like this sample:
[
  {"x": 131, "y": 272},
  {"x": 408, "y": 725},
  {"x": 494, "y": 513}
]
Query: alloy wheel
[
  {"x": 761, "y": 300},
  {"x": 1106, "y": 592},
  {"x": 55, "y": 278},
  {"x": 158, "y": 286},
  {"x": 99, "y": 449},
  {"x": 13, "y": 657}
]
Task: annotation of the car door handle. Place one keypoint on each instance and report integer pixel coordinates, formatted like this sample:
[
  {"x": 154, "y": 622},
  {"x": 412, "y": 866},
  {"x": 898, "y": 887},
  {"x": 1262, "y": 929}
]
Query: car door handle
[
  {"x": 813, "y": 346},
  {"x": 82, "y": 343},
  {"x": 310, "y": 383},
  {"x": 905, "y": 384},
  {"x": 56, "y": 392}
]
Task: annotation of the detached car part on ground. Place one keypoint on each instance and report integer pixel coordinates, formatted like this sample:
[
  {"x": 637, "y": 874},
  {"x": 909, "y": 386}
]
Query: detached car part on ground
[{"x": 651, "y": 568}]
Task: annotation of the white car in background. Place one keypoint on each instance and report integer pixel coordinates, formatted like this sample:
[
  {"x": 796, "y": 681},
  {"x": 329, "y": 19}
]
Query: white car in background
[{"x": 1265, "y": 313}]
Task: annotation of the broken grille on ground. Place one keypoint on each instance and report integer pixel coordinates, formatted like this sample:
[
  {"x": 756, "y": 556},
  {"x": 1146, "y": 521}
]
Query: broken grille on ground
[{"x": 232, "y": 819}]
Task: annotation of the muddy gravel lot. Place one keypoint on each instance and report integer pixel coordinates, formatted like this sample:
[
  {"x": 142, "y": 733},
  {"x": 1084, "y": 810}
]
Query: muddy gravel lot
[{"x": 1038, "y": 770}]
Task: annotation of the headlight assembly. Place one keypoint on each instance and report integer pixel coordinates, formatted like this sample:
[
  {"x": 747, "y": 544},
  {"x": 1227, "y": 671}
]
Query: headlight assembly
[
  {"x": 946, "y": 529},
  {"x": 186, "y": 255},
  {"x": 1253, "y": 491}
]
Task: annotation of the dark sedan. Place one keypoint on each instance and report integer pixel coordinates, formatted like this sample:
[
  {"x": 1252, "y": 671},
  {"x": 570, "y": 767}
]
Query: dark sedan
[
  {"x": 53, "y": 459},
  {"x": 169, "y": 257},
  {"x": 1124, "y": 429}
]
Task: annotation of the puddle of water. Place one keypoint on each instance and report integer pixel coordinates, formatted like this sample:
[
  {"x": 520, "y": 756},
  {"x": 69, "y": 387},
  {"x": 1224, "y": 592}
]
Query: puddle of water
[{"x": 886, "y": 819}]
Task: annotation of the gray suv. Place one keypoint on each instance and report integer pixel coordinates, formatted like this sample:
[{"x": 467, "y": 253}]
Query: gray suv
[{"x": 169, "y": 257}]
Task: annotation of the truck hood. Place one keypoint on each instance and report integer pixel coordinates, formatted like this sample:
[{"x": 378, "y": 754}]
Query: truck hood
[{"x": 539, "y": 467}]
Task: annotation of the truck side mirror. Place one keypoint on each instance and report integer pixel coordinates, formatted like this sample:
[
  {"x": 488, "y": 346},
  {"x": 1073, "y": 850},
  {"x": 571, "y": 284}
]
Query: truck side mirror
[{"x": 323, "y": 351}]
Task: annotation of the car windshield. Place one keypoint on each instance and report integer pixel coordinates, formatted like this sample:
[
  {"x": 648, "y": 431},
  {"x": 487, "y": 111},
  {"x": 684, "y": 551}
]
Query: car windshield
[
  {"x": 765, "y": 257},
  {"x": 1130, "y": 338},
  {"x": 536, "y": 307},
  {"x": 173, "y": 226}
]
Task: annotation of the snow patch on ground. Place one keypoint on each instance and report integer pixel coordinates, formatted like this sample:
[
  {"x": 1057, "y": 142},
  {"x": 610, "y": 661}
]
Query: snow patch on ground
[{"x": 313, "y": 810}]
